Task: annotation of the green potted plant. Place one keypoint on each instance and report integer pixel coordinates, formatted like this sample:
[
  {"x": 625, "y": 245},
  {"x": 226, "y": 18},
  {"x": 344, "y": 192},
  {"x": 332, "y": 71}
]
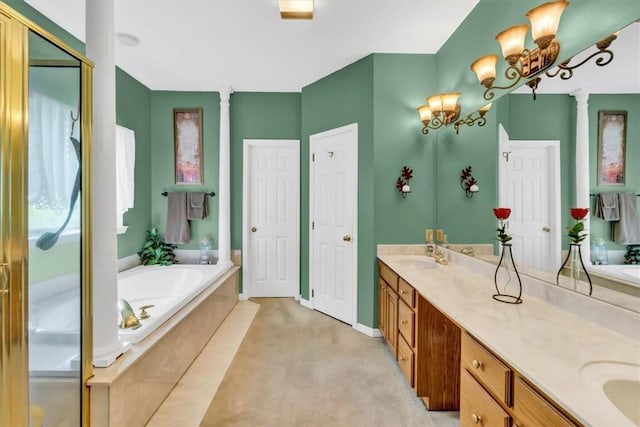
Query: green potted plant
[{"x": 156, "y": 250}]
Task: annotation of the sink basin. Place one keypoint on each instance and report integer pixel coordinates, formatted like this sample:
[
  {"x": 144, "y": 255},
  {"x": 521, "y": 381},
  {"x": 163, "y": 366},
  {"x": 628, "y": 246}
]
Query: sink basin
[
  {"x": 419, "y": 262},
  {"x": 619, "y": 383}
]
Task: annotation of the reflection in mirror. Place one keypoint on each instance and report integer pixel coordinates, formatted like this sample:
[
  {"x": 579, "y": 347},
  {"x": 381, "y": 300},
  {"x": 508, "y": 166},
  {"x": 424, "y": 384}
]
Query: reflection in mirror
[{"x": 530, "y": 153}]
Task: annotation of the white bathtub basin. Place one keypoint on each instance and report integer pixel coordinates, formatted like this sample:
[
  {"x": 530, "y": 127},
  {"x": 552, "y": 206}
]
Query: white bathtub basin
[{"x": 632, "y": 272}]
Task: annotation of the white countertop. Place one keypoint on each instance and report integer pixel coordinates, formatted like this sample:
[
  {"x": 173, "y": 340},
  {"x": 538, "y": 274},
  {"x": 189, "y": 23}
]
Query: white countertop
[{"x": 545, "y": 344}]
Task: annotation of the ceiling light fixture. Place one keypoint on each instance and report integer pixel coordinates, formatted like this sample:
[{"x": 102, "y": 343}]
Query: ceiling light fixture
[
  {"x": 296, "y": 9},
  {"x": 128, "y": 39},
  {"x": 523, "y": 63},
  {"x": 441, "y": 110},
  {"x": 480, "y": 120}
]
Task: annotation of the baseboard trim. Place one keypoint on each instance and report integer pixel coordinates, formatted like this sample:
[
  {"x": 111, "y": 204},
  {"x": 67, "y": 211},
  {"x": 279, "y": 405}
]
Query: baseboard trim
[
  {"x": 243, "y": 297},
  {"x": 305, "y": 303},
  {"x": 370, "y": 332}
]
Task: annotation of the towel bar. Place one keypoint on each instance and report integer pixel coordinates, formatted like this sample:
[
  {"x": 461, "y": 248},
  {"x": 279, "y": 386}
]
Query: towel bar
[{"x": 165, "y": 194}]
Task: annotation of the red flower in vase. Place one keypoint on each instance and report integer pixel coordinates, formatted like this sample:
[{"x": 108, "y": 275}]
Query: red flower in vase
[
  {"x": 502, "y": 213},
  {"x": 575, "y": 233},
  {"x": 579, "y": 213}
]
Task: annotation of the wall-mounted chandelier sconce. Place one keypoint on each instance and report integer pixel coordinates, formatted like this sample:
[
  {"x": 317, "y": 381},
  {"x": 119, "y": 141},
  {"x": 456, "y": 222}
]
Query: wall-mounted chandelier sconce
[
  {"x": 604, "y": 56},
  {"x": 468, "y": 182},
  {"x": 402, "y": 184},
  {"x": 479, "y": 120},
  {"x": 441, "y": 110},
  {"x": 523, "y": 63}
]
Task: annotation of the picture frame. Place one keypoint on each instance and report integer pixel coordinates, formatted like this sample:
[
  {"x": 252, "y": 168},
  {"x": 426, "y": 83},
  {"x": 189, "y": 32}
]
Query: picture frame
[
  {"x": 187, "y": 142},
  {"x": 612, "y": 135}
]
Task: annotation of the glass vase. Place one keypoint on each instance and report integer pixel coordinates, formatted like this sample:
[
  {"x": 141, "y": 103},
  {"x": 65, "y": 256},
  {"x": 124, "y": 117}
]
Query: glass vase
[
  {"x": 506, "y": 279},
  {"x": 575, "y": 269}
]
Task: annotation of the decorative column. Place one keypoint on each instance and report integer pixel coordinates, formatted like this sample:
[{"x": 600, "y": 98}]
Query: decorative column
[
  {"x": 582, "y": 164},
  {"x": 100, "y": 38},
  {"x": 224, "y": 181}
]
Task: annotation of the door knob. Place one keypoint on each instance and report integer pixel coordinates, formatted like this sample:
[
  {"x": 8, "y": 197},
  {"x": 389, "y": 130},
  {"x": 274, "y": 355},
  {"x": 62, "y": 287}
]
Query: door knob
[
  {"x": 253, "y": 229},
  {"x": 346, "y": 238},
  {"x": 546, "y": 229}
]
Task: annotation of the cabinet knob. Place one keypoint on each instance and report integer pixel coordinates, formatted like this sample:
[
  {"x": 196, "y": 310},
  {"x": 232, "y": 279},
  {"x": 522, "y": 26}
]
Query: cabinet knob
[
  {"x": 253, "y": 229},
  {"x": 477, "y": 419},
  {"x": 476, "y": 364},
  {"x": 346, "y": 238},
  {"x": 402, "y": 291},
  {"x": 404, "y": 322}
]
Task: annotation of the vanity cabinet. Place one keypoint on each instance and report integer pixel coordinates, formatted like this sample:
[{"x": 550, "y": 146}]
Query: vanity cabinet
[
  {"x": 424, "y": 342},
  {"x": 494, "y": 394}
]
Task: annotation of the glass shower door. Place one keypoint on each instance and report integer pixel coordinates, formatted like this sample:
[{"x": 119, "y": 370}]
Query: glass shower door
[{"x": 54, "y": 234}]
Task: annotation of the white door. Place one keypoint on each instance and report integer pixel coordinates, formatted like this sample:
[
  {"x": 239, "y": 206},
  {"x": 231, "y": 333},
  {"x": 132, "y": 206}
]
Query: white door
[
  {"x": 530, "y": 186},
  {"x": 271, "y": 218},
  {"x": 333, "y": 213}
]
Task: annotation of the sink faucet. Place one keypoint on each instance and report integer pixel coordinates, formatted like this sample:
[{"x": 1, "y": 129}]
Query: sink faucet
[
  {"x": 129, "y": 319},
  {"x": 434, "y": 252},
  {"x": 468, "y": 250}
]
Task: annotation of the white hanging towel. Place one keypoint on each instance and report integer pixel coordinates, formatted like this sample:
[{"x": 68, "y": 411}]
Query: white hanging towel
[{"x": 125, "y": 167}]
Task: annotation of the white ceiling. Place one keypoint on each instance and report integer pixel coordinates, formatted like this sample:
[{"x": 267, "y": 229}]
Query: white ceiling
[{"x": 199, "y": 45}]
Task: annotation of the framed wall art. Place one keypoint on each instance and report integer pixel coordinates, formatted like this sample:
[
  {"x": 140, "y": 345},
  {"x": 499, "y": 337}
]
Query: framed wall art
[
  {"x": 187, "y": 140},
  {"x": 612, "y": 127}
]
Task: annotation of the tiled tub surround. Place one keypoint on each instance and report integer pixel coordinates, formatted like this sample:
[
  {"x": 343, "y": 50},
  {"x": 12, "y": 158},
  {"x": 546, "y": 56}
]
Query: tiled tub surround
[
  {"x": 546, "y": 343},
  {"x": 128, "y": 392}
]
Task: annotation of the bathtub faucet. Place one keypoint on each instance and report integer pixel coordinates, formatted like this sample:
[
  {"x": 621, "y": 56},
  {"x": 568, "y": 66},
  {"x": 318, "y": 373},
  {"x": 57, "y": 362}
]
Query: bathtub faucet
[{"x": 129, "y": 319}]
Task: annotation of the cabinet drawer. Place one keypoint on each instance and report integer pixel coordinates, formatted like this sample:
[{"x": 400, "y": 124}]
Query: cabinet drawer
[
  {"x": 388, "y": 275},
  {"x": 492, "y": 373},
  {"x": 407, "y": 293},
  {"x": 405, "y": 359},
  {"x": 406, "y": 323},
  {"x": 531, "y": 409},
  {"x": 477, "y": 407}
]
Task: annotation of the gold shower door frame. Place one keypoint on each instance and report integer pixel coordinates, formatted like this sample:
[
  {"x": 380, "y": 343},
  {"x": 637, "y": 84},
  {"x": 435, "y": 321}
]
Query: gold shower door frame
[{"x": 14, "y": 72}]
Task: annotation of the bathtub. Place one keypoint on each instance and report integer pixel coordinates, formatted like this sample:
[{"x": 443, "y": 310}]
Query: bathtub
[
  {"x": 167, "y": 288},
  {"x": 629, "y": 274}
]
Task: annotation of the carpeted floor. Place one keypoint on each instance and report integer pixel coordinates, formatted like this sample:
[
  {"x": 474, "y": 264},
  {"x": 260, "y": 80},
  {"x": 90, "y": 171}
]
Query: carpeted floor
[{"x": 298, "y": 367}]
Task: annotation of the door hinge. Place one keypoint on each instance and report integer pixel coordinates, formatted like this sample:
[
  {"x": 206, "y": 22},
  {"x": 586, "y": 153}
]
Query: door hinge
[
  {"x": 313, "y": 157},
  {"x": 313, "y": 225},
  {"x": 312, "y": 293}
]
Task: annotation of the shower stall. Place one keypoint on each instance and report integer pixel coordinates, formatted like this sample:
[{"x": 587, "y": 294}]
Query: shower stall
[{"x": 45, "y": 151}]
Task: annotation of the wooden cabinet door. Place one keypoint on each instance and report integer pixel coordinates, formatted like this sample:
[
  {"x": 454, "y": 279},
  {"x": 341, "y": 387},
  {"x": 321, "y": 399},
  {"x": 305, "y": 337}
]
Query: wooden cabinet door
[
  {"x": 382, "y": 307},
  {"x": 392, "y": 321}
]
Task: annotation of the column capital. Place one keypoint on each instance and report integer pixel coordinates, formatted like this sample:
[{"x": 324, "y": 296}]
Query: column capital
[
  {"x": 225, "y": 93},
  {"x": 581, "y": 95}
]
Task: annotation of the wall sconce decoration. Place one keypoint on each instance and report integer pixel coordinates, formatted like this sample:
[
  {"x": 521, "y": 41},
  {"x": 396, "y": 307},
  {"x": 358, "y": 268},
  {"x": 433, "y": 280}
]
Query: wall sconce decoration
[
  {"x": 604, "y": 55},
  {"x": 402, "y": 184},
  {"x": 523, "y": 63},
  {"x": 441, "y": 109},
  {"x": 468, "y": 182},
  {"x": 480, "y": 120}
]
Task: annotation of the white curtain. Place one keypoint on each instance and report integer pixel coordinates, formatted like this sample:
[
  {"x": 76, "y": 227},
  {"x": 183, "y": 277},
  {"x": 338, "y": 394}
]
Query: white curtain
[
  {"x": 125, "y": 168},
  {"x": 52, "y": 159}
]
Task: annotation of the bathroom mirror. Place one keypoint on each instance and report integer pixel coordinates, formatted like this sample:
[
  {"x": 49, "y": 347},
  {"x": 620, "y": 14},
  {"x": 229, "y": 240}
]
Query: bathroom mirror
[{"x": 551, "y": 119}]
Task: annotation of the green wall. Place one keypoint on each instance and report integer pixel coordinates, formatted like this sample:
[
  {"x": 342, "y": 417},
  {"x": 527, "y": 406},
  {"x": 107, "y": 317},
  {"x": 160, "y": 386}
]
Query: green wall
[
  {"x": 133, "y": 111},
  {"x": 339, "y": 99},
  {"x": 162, "y": 159}
]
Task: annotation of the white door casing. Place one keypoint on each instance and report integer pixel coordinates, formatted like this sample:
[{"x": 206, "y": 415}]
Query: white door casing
[
  {"x": 529, "y": 177},
  {"x": 333, "y": 209},
  {"x": 271, "y": 218}
]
